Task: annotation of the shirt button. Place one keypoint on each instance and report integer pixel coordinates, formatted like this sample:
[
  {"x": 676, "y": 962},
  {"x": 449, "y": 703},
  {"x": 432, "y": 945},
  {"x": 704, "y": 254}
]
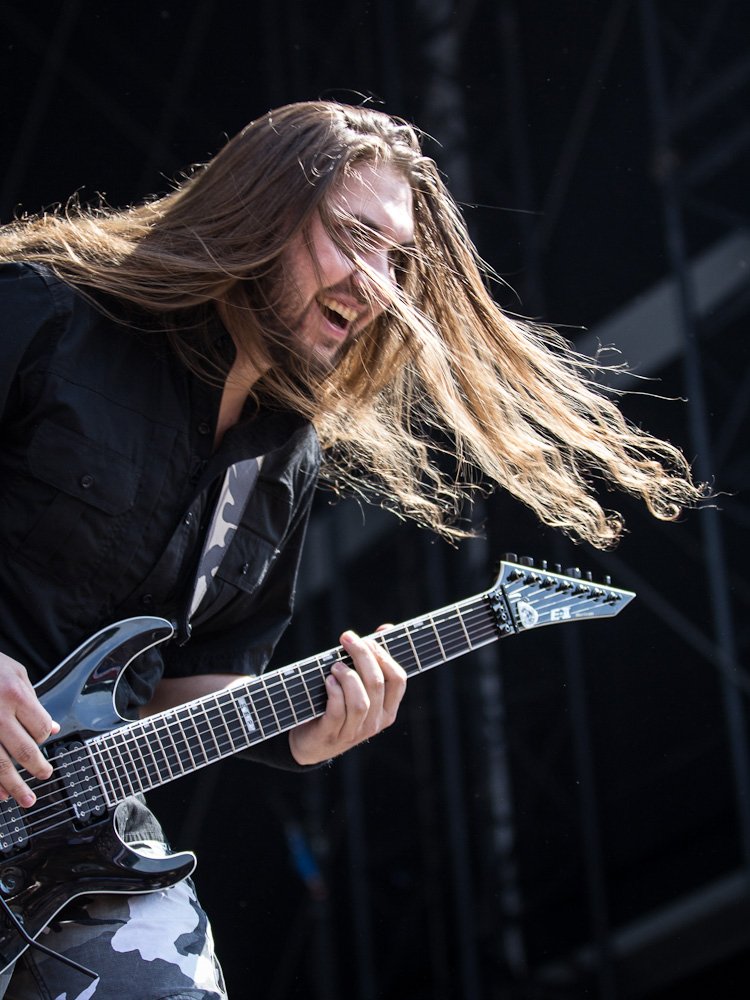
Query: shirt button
[
  {"x": 204, "y": 427},
  {"x": 87, "y": 481},
  {"x": 147, "y": 599},
  {"x": 188, "y": 518}
]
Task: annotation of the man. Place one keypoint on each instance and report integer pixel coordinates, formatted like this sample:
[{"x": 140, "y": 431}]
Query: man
[{"x": 168, "y": 364}]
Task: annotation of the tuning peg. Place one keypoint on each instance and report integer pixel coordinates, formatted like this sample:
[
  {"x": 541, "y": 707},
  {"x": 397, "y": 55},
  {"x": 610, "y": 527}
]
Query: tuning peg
[
  {"x": 526, "y": 561},
  {"x": 510, "y": 557},
  {"x": 589, "y": 576},
  {"x": 574, "y": 572}
]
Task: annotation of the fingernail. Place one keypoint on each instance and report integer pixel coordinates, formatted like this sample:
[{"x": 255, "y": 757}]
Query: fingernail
[
  {"x": 28, "y": 800},
  {"x": 349, "y": 637}
]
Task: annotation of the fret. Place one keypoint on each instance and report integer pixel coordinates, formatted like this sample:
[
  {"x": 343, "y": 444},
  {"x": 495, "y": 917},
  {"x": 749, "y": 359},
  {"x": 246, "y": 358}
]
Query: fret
[
  {"x": 288, "y": 696},
  {"x": 193, "y": 738},
  {"x": 270, "y": 701},
  {"x": 137, "y": 754},
  {"x": 118, "y": 789},
  {"x": 306, "y": 690},
  {"x": 437, "y": 636},
  {"x": 174, "y": 753},
  {"x": 103, "y": 772},
  {"x": 325, "y": 659},
  {"x": 453, "y": 639},
  {"x": 263, "y": 694},
  {"x": 129, "y": 756},
  {"x": 101, "y": 775},
  {"x": 301, "y": 702},
  {"x": 427, "y": 646},
  {"x": 460, "y": 618},
  {"x": 237, "y": 725},
  {"x": 382, "y": 640},
  {"x": 210, "y": 733},
  {"x": 413, "y": 649},
  {"x": 249, "y": 715},
  {"x": 168, "y": 751},
  {"x": 180, "y": 737},
  {"x": 125, "y": 770},
  {"x": 217, "y": 728},
  {"x": 149, "y": 736},
  {"x": 222, "y": 716}
]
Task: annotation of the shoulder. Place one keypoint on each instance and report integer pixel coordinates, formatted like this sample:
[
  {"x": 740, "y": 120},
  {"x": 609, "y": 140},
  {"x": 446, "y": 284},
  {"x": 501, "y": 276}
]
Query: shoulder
[
  {"x": 33, "y": 285},
  {"x": 35, "y": 306},
  {"x": 34, "y": 299}
]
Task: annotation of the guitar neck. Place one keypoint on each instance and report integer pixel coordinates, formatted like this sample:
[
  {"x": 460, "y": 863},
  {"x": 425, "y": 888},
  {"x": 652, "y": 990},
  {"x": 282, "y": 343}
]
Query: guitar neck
[{"x": 144, "y": 755}]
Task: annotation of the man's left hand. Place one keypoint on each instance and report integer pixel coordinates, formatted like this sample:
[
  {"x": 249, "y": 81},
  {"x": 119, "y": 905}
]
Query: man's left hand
[{"x": 361, "y": 702}]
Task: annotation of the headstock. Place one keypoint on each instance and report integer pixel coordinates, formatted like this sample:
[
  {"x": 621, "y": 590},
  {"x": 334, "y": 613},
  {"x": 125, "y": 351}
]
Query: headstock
[{"x": 536, "y": 595}]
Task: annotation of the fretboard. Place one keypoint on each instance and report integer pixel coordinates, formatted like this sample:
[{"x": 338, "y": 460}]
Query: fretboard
[{"x": 144, "y": 755}]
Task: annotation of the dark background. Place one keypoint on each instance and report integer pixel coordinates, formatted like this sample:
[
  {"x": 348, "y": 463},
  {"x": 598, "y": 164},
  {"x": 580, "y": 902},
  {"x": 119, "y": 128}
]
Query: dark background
[{"x": 566, "y": 814}]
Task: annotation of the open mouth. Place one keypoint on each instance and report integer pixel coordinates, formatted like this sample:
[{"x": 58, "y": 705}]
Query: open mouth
[{"x": 336, "y": 313}]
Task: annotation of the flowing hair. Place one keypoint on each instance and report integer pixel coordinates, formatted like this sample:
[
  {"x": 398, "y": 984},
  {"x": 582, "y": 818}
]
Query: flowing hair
[{"x": 440, "y": 391}]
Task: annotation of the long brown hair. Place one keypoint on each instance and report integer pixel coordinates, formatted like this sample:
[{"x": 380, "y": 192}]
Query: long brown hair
[{"x": 442, "y": 370}]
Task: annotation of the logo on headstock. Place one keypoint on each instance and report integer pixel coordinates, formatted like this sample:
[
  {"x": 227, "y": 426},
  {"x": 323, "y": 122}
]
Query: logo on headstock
[{"x": 527, "y": 615}]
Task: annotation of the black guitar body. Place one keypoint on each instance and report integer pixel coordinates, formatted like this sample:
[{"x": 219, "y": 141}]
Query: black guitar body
[{"x": 43, "y": 865}]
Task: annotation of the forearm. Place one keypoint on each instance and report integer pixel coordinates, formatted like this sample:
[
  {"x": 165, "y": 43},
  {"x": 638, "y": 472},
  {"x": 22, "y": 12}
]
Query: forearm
[{"x": 173, "y": 691}]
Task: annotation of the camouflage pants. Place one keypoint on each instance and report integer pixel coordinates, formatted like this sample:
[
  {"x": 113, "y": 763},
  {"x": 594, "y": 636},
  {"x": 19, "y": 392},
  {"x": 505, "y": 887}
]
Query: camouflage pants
[{"x": 147, "y": 947}]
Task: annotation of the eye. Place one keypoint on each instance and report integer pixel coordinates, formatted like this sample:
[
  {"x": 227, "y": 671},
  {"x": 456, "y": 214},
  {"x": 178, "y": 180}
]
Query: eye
[
  {"x": 359, "y": 237},
  {"x": 399, "y": 262}
]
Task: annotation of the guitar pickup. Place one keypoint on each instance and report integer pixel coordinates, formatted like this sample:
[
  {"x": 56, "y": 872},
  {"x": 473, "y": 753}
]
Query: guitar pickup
[
  {"x": 13, "y": 833},
  {"x": 77, "y": 779}
]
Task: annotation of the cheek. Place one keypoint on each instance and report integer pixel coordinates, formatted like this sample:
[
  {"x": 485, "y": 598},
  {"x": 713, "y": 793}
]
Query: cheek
[{"x": 332, "y": 266}]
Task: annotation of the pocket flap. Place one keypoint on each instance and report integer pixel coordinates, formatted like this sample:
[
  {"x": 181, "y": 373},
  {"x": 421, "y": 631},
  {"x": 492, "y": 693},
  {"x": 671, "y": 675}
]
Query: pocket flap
[
  {"x": 82, "y": 468},
  {"x": 247, "y": 561}
]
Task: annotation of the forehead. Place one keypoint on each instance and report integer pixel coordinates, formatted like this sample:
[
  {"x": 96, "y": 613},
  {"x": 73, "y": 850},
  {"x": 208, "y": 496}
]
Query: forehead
[{"x": 378, "y": 196}]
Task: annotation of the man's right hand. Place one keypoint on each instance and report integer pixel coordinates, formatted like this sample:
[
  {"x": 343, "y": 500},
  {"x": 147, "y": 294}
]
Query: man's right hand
[{"x": 24, "y": 725}]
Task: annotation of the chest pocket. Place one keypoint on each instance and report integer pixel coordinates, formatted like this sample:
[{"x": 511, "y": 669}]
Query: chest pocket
[
  {"x": 248, "y": 561},
  {"x": 68, "y": 511},
  {"x": 242, "y": 571}
]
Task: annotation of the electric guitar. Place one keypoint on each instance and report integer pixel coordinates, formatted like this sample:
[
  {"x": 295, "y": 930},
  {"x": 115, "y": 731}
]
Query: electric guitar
[{"x": 66, "y": 844}]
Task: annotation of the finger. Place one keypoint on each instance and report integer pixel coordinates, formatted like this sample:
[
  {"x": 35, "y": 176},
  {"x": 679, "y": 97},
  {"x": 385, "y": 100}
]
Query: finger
[
  {"x": 37, "y": 721},
  {"x": 21, "y": 747},
  {"x": 365, "y": 659},
  {"x": 335, "y": 712},
  {"x": 12, "y": 783},
  {"x": 394, "y": 677},
  {"x": 357, "y": 698}
]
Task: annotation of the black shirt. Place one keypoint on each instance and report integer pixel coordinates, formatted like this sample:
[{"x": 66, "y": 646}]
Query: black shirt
[{"x": 106, "y": 471}]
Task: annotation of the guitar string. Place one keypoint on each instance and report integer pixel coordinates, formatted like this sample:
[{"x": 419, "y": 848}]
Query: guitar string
[
  {"x": 392, "y": 640},
  {"x": 396, "y": 641},
  {"x": 199, "y": 737},
  {"x": 450, "y": 637},
  {"x": 201, "y": 734},
  {"x": 270, "y": 687}
]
